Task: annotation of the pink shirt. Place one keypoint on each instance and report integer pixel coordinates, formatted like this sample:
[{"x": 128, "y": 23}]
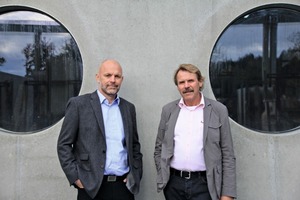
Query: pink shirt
[{"x": 188, "y": 138}]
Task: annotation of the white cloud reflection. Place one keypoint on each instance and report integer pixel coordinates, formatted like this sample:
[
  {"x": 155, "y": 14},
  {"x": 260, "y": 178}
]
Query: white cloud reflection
[{"x": 25, "y": 15}]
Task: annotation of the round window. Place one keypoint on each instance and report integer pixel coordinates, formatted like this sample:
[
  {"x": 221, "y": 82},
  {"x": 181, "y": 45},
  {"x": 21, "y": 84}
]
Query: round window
[
  {"x": 255, "y": 69},
  {"x": 40, "y": 69}
]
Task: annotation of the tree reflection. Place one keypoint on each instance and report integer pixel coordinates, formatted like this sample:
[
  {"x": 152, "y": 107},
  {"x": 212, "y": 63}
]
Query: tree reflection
[
  {"x": 37, "y": 56},
  {"x": 2, "y": 61}
]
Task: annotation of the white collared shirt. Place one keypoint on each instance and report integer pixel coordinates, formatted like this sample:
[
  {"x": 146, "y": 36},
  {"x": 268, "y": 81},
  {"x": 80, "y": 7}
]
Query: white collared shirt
[{"x": 188, "y": 138}]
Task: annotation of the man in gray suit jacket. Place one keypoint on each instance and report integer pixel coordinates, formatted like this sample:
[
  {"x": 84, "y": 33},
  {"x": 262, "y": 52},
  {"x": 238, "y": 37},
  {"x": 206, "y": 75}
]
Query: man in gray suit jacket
[
  {"x": 194, "y": 154},
  {"x": 98, "y": 146}
]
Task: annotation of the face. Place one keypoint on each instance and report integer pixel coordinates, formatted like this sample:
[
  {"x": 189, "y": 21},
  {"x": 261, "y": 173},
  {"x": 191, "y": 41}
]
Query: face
[
  {"x": 109, "y": 78},
  {"x": 188, "y": 87}
]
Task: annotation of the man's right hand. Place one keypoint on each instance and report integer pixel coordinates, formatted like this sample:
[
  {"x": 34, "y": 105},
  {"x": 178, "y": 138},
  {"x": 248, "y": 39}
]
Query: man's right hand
[{"x": 79, "y": 184}]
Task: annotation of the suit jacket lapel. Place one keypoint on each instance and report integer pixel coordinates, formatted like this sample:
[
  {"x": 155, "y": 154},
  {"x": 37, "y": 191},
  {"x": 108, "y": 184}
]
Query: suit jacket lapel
[
  {"x": 173, "y": 119},
  {"x": 95, "y": 102},
  {"x": 125, "y": 118},
  {"x": 169, "y": 136},
  {"x": 206, "y": 118}
]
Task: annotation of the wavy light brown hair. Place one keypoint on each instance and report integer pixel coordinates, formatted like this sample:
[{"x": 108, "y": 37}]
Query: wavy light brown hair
[{"x": 189, "y": 68}]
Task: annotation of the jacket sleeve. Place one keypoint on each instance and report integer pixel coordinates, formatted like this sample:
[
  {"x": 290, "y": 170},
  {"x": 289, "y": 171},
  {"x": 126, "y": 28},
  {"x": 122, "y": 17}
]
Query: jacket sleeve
[
  {"x": 228, "y": 157},
  {"x": 158, "y": 142},
  {"x": 137, "y": 155},
  {"x": 66, "y": 140}
]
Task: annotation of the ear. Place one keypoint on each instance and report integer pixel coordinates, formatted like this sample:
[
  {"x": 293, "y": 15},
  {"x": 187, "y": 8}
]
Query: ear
[
  {"x": 200, "y": 85},
  {"x": 97, "y": 78}
]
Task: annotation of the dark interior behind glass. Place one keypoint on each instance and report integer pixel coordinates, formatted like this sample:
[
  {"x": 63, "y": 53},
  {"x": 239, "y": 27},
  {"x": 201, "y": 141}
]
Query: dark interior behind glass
[{"x": 255, "y": 69}]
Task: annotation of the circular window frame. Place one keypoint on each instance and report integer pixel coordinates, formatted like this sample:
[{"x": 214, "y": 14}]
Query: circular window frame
[
  {"x": 72, "y": 82},
  {"x": 295, "y": 8}
]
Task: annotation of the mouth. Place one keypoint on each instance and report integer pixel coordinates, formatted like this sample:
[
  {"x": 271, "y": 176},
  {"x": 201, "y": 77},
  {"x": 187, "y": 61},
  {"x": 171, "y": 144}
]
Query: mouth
[{"x": 112, "y": 87}]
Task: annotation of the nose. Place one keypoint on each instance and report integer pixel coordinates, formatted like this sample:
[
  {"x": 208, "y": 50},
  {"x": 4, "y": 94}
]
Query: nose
[
  {"x": 186, "y": 84},
  {"x": 112, "y": 78}
]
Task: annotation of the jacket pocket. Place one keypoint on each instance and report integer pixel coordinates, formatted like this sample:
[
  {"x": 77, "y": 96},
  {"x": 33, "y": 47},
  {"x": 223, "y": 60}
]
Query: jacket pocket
[
  {"x": 84, "y": 161},
  {"x": 214, "y": 132}
]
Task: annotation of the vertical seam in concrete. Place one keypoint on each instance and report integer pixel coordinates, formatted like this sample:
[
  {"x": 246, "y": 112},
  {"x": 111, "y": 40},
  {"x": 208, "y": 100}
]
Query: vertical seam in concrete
[
  {"x": 18, "y": 169},
  {"x": 273, "y": 174},
  {"x": 277, "y": 168}
]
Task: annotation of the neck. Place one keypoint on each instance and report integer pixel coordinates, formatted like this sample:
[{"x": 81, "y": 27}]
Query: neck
[
  {"x": 110, "y": 99},
  {"x": 188, "y": 103}
]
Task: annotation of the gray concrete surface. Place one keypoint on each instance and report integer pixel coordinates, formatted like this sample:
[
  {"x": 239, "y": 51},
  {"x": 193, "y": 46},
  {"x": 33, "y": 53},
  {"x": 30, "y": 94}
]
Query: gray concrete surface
[{"x": 150, "y": 38}]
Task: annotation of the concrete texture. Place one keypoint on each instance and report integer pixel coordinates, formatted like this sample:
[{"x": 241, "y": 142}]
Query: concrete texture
[{"x": 150, "y": 38}]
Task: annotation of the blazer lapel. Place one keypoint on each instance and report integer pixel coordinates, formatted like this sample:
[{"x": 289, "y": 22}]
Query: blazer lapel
[
  {"x": 125, "y": 118},
  {"x": 173, "y": 119},
  {"x": 169, "y": 135},
  {"x": 95, "y": 102},
  {"x": 206, "y": 118}
]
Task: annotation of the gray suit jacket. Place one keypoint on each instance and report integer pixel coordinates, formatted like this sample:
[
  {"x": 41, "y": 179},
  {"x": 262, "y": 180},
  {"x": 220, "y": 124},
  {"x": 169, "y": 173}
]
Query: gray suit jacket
[
  {"x": 218, "y": 148},
  {"x": 81, "y": 144}
]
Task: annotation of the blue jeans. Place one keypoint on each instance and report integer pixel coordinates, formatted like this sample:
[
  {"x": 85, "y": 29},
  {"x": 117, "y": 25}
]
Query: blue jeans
[{"x": 179, "y": 188}]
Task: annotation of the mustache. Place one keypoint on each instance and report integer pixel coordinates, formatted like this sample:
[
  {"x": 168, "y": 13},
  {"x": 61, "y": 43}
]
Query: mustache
[{"x": 187, "y": 90}]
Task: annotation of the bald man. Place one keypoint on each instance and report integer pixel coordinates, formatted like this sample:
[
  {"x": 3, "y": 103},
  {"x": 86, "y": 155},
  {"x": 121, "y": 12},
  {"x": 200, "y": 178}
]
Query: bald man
[{"x": 98, "y": 146}]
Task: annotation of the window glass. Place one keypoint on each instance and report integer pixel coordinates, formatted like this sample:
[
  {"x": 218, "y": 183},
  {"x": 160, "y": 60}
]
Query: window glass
[
  {"x": 40, "y": 69},
  {"x": 255, "y": 69}
]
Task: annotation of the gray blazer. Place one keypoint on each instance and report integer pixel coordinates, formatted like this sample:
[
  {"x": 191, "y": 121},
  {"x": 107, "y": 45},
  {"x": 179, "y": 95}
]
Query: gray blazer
[
  {"x": 81, "y": 144},
  {"x": 218, "y": 148}
]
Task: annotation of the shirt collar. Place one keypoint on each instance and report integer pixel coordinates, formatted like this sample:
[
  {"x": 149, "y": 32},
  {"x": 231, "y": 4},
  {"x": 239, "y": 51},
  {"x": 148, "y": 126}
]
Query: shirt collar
[
  {"x": 200, "y": 105},
  {"x": 103, "y": 99}
]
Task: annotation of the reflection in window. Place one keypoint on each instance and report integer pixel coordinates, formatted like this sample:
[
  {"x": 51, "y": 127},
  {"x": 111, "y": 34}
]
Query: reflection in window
[
  {"x": 40, "y": 69},
  {"x": 255, "y": 69}
]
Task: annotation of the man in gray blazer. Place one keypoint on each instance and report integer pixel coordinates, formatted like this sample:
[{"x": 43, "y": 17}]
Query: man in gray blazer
[
  {"x": 194, "y": 154},
  {"x": 98, "y": 145}
]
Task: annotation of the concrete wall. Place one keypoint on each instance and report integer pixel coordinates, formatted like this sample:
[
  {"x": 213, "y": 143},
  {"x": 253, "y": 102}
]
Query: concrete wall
[{"x": 150, "y": 38}]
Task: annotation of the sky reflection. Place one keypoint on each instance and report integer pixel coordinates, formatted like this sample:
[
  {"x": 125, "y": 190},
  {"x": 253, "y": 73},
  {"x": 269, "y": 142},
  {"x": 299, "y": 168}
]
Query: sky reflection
[{"x": 13, "y": 43}]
